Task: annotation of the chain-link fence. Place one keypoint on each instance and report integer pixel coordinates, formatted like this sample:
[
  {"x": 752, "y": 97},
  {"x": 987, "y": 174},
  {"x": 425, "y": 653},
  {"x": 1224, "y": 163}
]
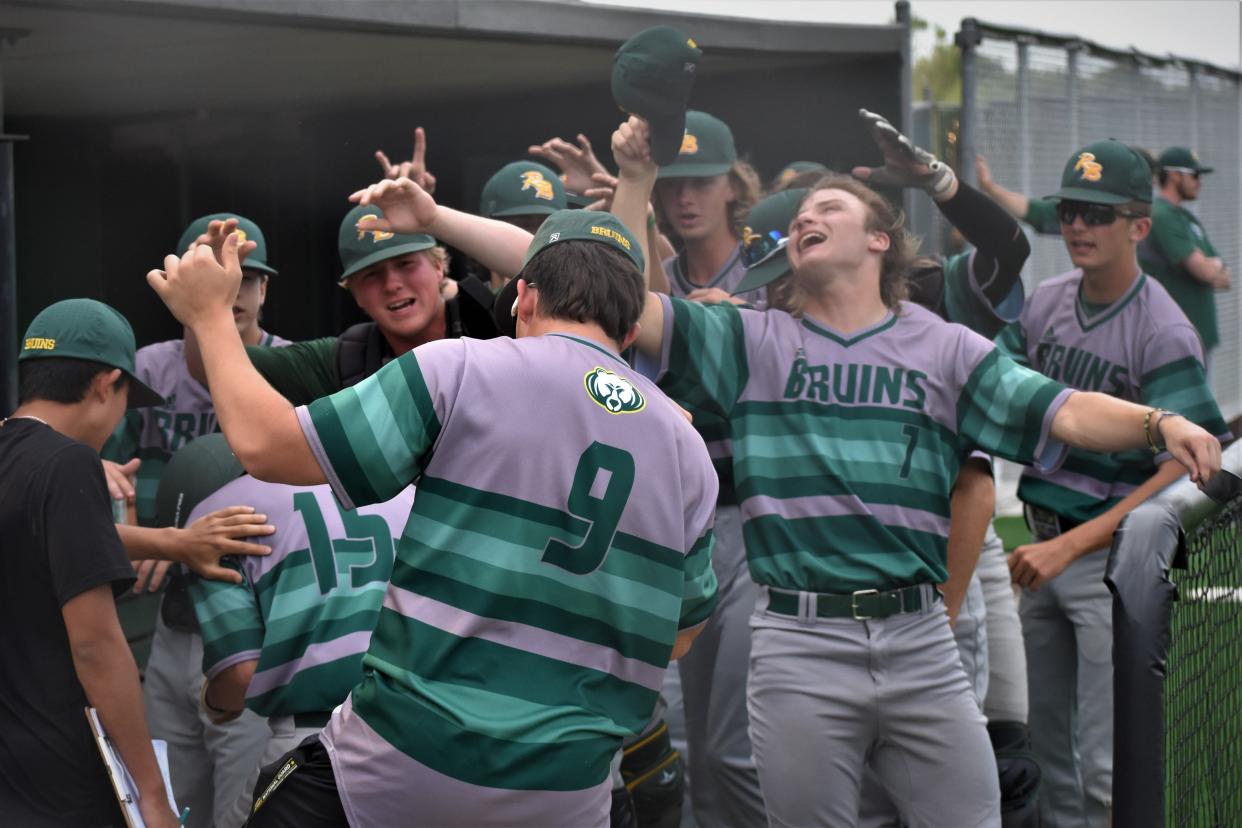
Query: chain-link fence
[{"x": 1030, "y": 99}]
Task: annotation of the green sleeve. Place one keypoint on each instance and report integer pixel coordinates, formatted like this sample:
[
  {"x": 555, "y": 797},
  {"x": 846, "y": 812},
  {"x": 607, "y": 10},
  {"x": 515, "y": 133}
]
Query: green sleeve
[
  {"x": 1172, "y": 236},
  {"x": 1006, "y": 410},
  {"x": 301, "y": 372},
  {"x": 122, "y": 446},
  {"x": 704, "y": 365},
  {"x": 229, "y": 619},
  {"x": 1012, "y": 343},
  {"x": 373, "y": 439},
  {"x": 698, "y": 598},
  {"x": 1041, "y": 215},
  {"x": 1178, "y": 382}
]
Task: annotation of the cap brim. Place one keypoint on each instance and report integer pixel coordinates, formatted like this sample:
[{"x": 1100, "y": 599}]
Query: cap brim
[
  {"x": 692, "y": 169},
  {"x": 502, "y": 309},
  {"x": 1206, "y": 169},
  {"x": 764, "y": 273},
  {"x": 386, "y": 253},
  {"x": 1089, "y": 196},
  {"x": 667, "y": 133},
  {"x": 577, "y": 200},
  {"x": 249, "y": 265},
  {"x": 141, "y": 395}
]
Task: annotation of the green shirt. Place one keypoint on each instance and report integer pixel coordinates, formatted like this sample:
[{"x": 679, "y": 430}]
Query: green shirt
[
  {"x": 1041, "y": 214},
  {"x": 1176, "y": 234},
  {"x": 301, "y": 372}
]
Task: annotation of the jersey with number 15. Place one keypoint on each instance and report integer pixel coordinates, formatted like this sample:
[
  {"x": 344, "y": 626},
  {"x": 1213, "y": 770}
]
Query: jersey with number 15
[
  {"x": 306, "y": 611},
  {"x": 559, "y": 540}
]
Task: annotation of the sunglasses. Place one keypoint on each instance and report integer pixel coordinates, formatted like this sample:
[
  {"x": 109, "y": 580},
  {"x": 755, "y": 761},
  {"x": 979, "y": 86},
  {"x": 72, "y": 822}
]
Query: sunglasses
[
  {"x": 760, "y": 247},
  {"x": 1093, "y": 215}
]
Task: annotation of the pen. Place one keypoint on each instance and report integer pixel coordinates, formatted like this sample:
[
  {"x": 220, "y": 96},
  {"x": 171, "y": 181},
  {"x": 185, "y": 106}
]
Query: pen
[{"x": 185, "y": 814}]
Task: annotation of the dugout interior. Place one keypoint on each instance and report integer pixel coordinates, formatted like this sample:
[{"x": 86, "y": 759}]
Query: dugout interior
[{"x": 142, "y": 115}]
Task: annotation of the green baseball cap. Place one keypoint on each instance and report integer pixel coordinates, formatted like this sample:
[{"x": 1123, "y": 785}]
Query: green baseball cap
[
  {"x": 1106, "y": 172},
  {"x": 257, "y": 260},
  {"x": 1182, "y": 159},
  {"x": 360, "y": 248},
  {"x": 652, "y": 75},
  {"x": 195, "y": 472},
  {"x": 794, "y": 169},
  {"x": 765, "y": 236},
  {"x": 563, "y": 226},
  {"x": 523, "y": 188},
  {"x": 706, "y": 149},
  {"x": 86, "y": 329}
]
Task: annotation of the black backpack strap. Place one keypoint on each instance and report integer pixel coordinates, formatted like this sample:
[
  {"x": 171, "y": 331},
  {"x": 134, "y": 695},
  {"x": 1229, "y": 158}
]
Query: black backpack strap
[{"x": 360, "y": 351}]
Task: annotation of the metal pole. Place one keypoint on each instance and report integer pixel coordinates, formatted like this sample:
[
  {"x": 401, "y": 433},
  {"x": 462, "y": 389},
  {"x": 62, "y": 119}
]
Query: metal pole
[
  {"x": 902, "y": 13},
  {"x": 1071, "y": 92},
  {"x": 8, "y": 283},
  {"x": 1024, "y": 117},
  {"x": 1192, "y": 75},
  {"x": 968, "y": 40}
]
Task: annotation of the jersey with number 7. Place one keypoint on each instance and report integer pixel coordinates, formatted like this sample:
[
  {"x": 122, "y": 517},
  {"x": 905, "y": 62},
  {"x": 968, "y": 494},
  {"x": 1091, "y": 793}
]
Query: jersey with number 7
[{"x": 560, "y": 538}]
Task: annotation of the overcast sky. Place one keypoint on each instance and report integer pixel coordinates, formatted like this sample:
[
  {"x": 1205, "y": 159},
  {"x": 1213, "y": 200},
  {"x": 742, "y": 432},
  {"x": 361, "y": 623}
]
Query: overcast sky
[{"x": 1207, "y": 30}]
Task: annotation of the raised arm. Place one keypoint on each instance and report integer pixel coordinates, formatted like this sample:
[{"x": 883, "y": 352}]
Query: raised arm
[
  {"x": 1098, "y": 422},
  {"x": 261, "y": 425},
  {"x": 1015, "y": 204},
  {"x": 636, "y": 176}
]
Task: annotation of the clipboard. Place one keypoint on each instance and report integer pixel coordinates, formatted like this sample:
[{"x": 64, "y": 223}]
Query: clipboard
[{"x": 122, "y": 783}]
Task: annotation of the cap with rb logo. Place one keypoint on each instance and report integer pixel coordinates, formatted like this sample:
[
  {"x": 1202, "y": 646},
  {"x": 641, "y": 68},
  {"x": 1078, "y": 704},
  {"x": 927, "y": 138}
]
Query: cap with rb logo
[
  {"x": 652, "y": 75},
  {"x": 90, "y": 330},
  {"x": 247, "y": 229},
  {"x": 707, "y": 148},
  {"x": 361, "y": 247},
  {"x": 523, "y": 188},
  {"x": 566, "y": 226},
  {"x": 1106, "y": 172}
]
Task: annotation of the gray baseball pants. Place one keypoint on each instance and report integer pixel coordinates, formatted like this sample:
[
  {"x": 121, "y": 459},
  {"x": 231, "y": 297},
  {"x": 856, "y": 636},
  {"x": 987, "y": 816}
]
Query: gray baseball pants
[
  {"x": 724, "y": 787},
  {"x": 284, "y": 736},
  {"x": 827, "y": 696},
  {"x": 1068, "y": 627},
  {"x": 209, "y": 764},
  {"x": 1006, "y": 699}
]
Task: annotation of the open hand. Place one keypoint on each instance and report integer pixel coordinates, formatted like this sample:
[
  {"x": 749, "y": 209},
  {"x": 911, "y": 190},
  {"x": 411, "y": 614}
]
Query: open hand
[
  {"x": 577, "y": 164},
  {"x": 217, "y": 232},
  {"x": 415, "y": 169},
  {"x": 204, "y": 542},
  {"x": 905, "y": 165},
  {"x": 407, "y": 207},
  {"x": 196, "y": 287}
]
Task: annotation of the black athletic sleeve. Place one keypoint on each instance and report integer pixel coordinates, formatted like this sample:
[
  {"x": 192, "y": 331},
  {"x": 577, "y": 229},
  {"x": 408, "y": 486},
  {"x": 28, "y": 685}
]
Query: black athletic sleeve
[
  {"x": 1000, "y": 246},
  {"x": 84, "y": 551}
]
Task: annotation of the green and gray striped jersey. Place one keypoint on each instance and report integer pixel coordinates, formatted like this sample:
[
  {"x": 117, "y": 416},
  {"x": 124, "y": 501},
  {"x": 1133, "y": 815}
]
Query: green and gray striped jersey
[
  {"x": 560, "y": 538},
  {"x": 846, "y": 448},
  {"x": 153, "y": 434},
  {"x": 1141, "y": 348},
  {"x": 306, "y": 611}
]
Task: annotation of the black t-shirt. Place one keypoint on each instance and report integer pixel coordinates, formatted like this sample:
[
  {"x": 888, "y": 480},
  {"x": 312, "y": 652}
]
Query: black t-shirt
[{"x": 57, "y": 540}]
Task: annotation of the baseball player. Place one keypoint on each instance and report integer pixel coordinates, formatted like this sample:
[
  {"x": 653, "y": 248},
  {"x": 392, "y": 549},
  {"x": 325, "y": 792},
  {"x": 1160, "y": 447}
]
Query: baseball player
[
  {"x": 547, "y": 574},
  {"x": 204, "y": 757},
  {"x": 1103, "y": 327},
  {"x": 395, "y": 278},
  {"x": 1178, "y": 252},
  {"x": 522, "y": 193},
  {"x": 852, "y": 659},
  {"x": 287, "y": 640}
]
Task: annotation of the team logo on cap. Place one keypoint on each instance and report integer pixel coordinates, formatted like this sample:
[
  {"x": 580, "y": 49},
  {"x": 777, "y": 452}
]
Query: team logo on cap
[
  {"x": 377, "y": 236},
  {"x": 39, "y": 343},
  {"x": 534, "y": 180},
  {"x": 613, "y": 393},
  {"x": 689, "y": 145},
  {"x": 749, "y": 237},
  {"x": 1091, "y": 169},
  {"x": 241, "y": 235}
]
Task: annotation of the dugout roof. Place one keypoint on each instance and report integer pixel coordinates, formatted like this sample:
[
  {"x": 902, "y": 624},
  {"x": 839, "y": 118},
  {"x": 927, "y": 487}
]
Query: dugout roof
[{"x": 168, "y": 109}]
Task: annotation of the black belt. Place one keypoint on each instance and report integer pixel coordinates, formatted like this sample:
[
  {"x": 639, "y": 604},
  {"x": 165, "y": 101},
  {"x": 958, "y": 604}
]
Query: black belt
[
  {"x": 860, "y": 605},
  {"x": 317, "y": 718},
  {"x": 1046, "y": 523}
]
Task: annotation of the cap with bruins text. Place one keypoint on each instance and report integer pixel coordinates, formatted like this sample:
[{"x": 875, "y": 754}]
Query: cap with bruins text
[
  {"x": 361, "y": 247},
  {"x": 565, "y": 226},
  {"x": 247, "y": 229},
  {"x": 90, "y": 330}
]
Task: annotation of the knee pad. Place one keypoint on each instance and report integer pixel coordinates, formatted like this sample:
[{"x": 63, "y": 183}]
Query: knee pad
[
  {"x": 655, "y": 777},
  {"x": 1019, "y": 774}
]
